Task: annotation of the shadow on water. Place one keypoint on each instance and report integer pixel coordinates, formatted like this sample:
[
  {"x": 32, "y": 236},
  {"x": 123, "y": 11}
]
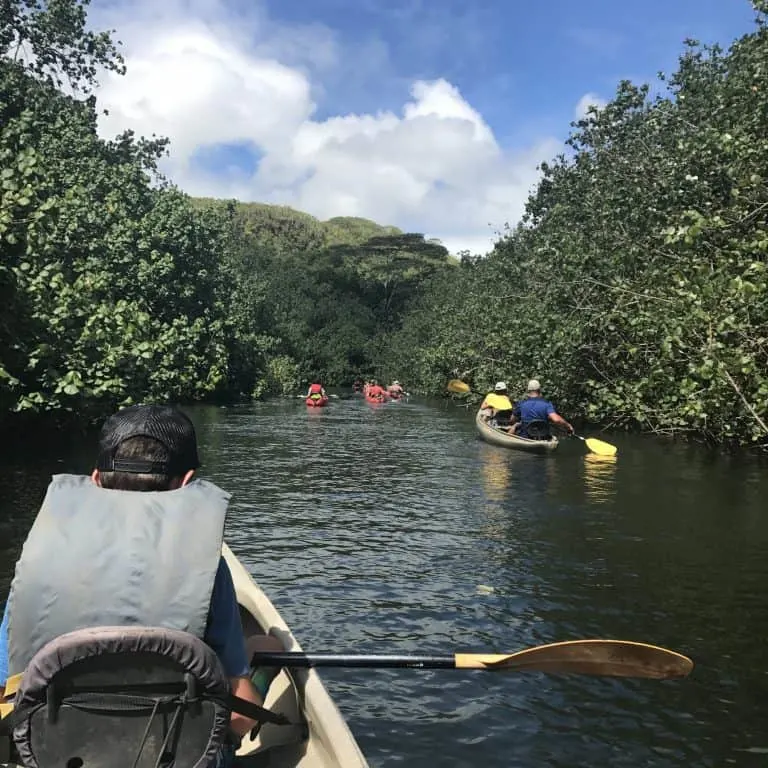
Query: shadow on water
[{"x": 393, "y": 529}]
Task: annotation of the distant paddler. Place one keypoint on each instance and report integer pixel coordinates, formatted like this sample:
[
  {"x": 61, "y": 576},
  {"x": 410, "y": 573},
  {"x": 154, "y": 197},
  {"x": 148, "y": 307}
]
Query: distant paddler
[
  {"x": 316, "y": 391},
  {"x": 375, "y": 392},
  {"x": 316, "y": 396},
  {"x": 395, "y": 390}
]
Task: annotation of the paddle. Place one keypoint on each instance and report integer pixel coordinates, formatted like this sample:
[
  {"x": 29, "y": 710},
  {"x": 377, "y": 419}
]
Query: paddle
[
  {"x": 458, "y": 387},
  {"x": 600, "y": 447},
  {"x": 612, "y": 658}
]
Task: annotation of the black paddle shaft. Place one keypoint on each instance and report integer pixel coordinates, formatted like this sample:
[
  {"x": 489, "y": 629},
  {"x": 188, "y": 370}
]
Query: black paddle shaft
[{"x": 295, "y": 659}]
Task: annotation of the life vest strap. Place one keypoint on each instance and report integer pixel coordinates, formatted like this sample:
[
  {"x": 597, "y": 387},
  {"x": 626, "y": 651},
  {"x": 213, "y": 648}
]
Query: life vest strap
[{"x": 122, "y": 702}]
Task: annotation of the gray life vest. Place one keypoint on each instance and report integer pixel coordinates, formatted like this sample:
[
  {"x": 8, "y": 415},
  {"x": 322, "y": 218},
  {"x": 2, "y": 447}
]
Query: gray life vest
[{"x": 97, "y": 557}]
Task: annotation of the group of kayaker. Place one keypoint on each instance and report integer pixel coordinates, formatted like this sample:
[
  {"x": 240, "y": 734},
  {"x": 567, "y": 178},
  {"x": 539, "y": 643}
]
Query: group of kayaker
[
  {"x": 373, "y": 391},
  {"x": 530, "y": 417}
]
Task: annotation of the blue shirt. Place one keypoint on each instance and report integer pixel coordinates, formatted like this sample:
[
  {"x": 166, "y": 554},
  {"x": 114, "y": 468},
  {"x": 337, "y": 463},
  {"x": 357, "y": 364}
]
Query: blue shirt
[
  {"x": 533, "y": 409},
  {"x": 224, "y": 632}
]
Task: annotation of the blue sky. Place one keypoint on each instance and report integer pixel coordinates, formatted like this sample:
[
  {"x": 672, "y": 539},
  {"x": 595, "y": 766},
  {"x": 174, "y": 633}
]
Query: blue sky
[
  {"x": 428, "y": 114},
  {"x": 507, "y": 54}
]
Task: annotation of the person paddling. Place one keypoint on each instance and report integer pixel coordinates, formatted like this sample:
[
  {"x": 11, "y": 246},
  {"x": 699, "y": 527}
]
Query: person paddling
[
  {"x": 316, "y": 391},
  {"x": 496, "y": 408},
  {"x": 395, "y": 390},
  {"x": 376, "y": 392},
  {"x": 137, "y": 544},
  {"x": 532, "y": 416}
]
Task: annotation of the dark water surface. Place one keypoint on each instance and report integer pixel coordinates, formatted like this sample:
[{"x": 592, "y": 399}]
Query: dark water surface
[{"x": 392, "y": 529}]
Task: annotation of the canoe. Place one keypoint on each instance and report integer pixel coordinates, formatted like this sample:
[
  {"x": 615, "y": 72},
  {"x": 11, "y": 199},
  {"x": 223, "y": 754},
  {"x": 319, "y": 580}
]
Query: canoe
[
  {"x": 505, "y": 440},
  {"x": 322, "y": 739},
  {"x": 316, "y": 402}
]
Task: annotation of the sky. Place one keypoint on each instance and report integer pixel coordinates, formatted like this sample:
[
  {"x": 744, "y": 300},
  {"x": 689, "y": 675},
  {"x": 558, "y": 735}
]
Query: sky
[{"x": 430, "y": 115}]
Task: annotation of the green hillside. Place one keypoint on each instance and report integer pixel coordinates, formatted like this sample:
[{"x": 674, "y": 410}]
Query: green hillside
[{"x": 285, "y": 227}]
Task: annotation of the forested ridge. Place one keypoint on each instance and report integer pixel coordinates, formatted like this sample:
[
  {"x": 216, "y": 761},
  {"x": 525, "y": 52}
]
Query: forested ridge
[{"x": 634, "y": 287}]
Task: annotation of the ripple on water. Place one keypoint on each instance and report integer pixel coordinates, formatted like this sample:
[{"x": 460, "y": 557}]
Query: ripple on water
[{"x": 372, "y": 529}]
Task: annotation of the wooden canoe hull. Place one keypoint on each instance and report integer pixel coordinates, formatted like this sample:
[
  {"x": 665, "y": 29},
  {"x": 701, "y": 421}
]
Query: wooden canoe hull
[
  {"x": 322, "y": 739},
  {"x": 498, "y": 437}
]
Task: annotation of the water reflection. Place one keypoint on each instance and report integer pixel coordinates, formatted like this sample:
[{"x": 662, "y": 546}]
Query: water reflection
[
  {"x": 599, "y": 478},
  {"x": 496, "y": 474}
]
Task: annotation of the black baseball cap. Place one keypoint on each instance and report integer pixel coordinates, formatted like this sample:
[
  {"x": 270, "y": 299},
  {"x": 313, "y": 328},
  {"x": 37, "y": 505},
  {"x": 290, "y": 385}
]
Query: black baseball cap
[{"x": 164, "y": 423}]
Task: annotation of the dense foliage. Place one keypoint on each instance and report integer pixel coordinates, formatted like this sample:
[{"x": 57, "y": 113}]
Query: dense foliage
[
  {"x": 110, "y": 285},
  {"x": 316, "y": 300},
  {"x": 115, "y": 287},
  {"x": 635, "y": 286}
]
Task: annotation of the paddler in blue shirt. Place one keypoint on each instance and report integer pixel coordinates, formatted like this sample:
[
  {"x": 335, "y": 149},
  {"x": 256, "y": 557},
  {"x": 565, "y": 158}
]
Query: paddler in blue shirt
[{"x": 537, "y": 413}]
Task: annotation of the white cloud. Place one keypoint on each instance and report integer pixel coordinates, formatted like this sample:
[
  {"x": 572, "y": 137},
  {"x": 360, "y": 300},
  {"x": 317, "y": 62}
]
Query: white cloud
[
  {"x": 202, "y": 79},
  {"x": 585, "y": 102}
]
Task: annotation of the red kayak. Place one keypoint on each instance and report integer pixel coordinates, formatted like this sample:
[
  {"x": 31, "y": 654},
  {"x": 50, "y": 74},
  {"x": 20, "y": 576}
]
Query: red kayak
[
  {"x": 316, "y": 402},
  {"x": 376, "y": 399}
]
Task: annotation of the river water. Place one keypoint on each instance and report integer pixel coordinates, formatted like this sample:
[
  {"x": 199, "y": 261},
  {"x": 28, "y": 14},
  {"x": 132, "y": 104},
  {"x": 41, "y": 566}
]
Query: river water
[{"x": 393, "y": 529}]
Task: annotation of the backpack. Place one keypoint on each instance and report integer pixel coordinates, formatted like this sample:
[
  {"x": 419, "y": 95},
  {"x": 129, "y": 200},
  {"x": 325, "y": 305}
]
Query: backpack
[{"x": 124, "y": 697}]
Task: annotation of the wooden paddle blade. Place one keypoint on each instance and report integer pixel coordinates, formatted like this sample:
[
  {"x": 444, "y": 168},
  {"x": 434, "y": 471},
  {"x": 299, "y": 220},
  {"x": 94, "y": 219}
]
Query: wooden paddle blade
[
  {"x": 600, "y": 447},
  {"x": 611, "y": 658},
  {"x": 458, "y": 386}
]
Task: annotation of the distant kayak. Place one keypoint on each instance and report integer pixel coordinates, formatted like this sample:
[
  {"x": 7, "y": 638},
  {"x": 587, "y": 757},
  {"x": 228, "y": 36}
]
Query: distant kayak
[
  {"x": 313, "y": 401},
  {"x": 376, "y": 399}
]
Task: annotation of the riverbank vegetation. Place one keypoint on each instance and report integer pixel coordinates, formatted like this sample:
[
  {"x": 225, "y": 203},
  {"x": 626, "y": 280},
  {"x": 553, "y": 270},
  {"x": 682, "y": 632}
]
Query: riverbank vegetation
[{"x": 635, "y": 286}]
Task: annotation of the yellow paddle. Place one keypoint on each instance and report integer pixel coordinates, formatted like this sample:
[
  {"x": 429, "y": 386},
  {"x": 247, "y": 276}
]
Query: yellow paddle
[
  {"x": 611, "y": 658},
  {"x": 600, "y": 447},
  {"x": 458, "y": 387}
]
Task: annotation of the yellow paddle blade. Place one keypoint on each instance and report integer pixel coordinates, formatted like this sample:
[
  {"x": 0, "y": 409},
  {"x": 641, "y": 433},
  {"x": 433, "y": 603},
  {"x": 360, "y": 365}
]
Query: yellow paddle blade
[
  {"x": 600, "y": 447},
  {"x": 612, "y": 658},
  {"x": 458, "y": 386},
  {"x": 12, "y": 684}
]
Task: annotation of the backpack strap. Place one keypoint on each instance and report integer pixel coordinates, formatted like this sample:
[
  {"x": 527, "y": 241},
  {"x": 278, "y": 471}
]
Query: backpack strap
[{"x": 255, "y": 712}]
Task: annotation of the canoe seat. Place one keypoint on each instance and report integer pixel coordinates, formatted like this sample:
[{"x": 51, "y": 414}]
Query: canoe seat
[
  {"x": 501, "y": 418},
  {"x": 119, "y": 697},
  {"x": 536, "y": 430}
]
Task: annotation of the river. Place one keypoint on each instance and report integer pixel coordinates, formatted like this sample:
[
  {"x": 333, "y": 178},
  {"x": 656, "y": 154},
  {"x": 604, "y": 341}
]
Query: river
[{"x": 393, "y": 529}]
